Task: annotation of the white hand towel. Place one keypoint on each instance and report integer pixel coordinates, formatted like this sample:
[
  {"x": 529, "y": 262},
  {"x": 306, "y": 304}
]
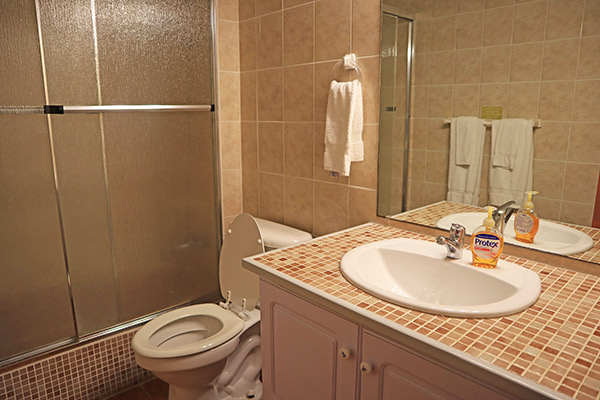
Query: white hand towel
[
  {"x": 511, "y": 164},
  {"x": 343, "y": 127},
  {"x": 467, "y": 136}
]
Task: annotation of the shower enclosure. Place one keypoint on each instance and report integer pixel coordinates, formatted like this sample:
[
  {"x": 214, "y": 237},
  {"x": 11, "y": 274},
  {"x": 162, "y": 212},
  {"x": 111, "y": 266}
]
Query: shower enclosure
[{"x": 104, "y": 217}]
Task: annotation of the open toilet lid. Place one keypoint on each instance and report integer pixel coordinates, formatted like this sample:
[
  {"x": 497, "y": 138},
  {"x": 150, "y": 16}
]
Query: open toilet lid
[{"x": 243, "y": 239}]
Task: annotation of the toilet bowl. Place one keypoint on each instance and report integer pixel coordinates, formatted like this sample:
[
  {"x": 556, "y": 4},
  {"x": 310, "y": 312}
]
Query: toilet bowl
[{"x": 210, "y": 351}]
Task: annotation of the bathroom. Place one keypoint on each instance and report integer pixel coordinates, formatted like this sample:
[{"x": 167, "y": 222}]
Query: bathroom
[{"x": 273, "y": 64}]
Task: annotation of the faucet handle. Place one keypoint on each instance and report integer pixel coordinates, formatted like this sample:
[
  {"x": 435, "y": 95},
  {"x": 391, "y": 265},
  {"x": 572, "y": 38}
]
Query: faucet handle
[{"x": 457, "y": 232}]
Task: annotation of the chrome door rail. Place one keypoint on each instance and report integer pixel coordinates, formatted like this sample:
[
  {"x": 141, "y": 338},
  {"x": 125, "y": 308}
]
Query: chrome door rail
[{"x": 60, "y": 109}]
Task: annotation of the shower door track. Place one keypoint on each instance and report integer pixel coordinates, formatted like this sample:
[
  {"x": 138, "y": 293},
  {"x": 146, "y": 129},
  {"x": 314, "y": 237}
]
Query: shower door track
[{"x": 61, "y": 109}]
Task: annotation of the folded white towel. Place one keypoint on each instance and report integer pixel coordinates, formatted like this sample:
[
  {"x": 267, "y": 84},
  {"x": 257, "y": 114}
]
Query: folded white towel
[
  {"x": 511, "y": 164},
  {"x": 467, "y": 136},
  {"x": 343, "y": 127}
]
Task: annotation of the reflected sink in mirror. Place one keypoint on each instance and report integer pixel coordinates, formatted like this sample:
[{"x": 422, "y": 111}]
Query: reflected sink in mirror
[
  {"x": 416, "y": 274},
  {"x": 551, "y": 237}
]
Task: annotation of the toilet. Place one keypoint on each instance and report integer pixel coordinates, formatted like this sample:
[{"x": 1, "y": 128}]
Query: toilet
[{"x": 210, "y": 351}]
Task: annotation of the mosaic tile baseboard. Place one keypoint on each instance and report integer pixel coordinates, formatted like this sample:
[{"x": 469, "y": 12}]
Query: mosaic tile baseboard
[
  {"x": 91, "y": 371},
  {"x": 429, "y": 215},
  {"x": 555, "y": 342}
]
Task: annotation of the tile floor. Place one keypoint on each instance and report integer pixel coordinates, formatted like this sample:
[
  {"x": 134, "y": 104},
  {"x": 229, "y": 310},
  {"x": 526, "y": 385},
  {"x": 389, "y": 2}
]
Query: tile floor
[{"x": 151, "y": 390}]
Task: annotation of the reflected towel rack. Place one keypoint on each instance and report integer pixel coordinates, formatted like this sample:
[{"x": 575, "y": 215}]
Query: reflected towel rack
[
  {"x": 60, "y": 109},
  {"x": 537, "y": 123}
]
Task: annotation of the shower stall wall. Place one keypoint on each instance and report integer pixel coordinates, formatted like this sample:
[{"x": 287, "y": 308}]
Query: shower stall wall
[{"x": 104, "y": 218}]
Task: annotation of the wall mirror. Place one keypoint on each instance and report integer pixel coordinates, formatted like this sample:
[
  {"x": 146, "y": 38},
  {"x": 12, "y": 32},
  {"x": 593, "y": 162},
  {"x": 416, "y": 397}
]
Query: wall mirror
[{"x": 441, "y": 60}]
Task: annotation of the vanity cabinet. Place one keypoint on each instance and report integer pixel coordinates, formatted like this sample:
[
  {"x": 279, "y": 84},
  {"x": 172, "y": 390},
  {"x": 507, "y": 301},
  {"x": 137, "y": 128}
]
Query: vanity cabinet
[{"x": 311, "y": 353}]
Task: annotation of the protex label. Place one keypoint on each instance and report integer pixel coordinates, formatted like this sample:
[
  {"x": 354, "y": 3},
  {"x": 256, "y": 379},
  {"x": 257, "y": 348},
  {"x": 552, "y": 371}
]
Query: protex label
[
  {"x": 486, "y": 246},
  {"x": 523, "y": 224}
]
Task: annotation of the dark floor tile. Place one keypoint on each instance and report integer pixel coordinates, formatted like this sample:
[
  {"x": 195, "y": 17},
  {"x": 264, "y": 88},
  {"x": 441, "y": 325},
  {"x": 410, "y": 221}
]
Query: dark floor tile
[
  {"x": 137, "y": 393},
  {"x": 156, "y": 389}
]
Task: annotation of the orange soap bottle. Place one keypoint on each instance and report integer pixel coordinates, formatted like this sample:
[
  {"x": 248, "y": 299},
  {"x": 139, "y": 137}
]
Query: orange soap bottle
[
  {"x": 487, "y": 243},
  {"x": 527, "y": 222}
]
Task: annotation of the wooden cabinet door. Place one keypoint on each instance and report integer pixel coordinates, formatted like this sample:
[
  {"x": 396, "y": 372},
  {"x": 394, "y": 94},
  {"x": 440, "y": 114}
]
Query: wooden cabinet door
[
  {"x": 397, "y": 374},
  {"x": 302, "y": 346}
]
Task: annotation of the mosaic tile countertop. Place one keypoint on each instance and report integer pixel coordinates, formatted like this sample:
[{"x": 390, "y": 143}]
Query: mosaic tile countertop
[
  {"x": 429, "y": 216},
  {"x": 555, "y": 342}
]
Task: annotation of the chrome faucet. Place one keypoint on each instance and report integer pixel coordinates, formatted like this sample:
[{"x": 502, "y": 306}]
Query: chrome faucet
[
  {"x": 502, "y": 214},
  {"x": 455, "y": 242}
]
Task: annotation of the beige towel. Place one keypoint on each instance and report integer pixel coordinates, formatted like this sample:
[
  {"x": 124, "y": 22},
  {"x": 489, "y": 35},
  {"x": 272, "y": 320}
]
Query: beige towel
[
  {"x": 343, "y": 127},
  {"x": 467, "y": 136},
  {"x": 511, "y": 164}
]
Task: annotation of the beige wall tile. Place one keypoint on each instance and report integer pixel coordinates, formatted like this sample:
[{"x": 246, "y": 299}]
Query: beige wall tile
[
  {"x": 577, "y": 213},
  {"x": 270, "y": 95},
  {"x": 422, "y": 36},
  {"x": 331, "y": 208},
  {"x": 584, "y": 144},
  {"x": 418, "y": 164},
  {"x": 269, "y": 42},
  {"x": 229, "y": 46},
  {"x": 436, "y": 169},
  {"x": 420, "y": 101},
  {"x": 560, "y": 60},
  {"x": 497, "y": 26},
  {"x": 526, "y": 62},
  {"x": 332, "y": 29},
  {"x": 298, "y": 93},
  {"x": 498, "y": 3},
  {"x": 444, "y": 7},
  {"x": 591, "y": 19},
  {"x": 271, "y": 200},
  {"x": 548, "y": 178},
  {"x": 440, "y": 101},
  {"x": 366, "y": 16},
  {"x": 229, "y": 99},
  {"x": 370, "y": 88},
  {"x": 270, "y": 147},
  {"x": 416, "y": 194},
  {"x": 232, "y": 192},
  {"x": 551, "y": 141},
  {"x": 246, "y": 9},
  {"x": 443, "y": 33},
  {"x": 529, "y": 22},
  {"x": 248, "y": 96},
  {"x": 441, "y": 68},
  {"x": 556, "y": 100},
  {"x": 494, "y": 95},
  {"x": 585, "y": 106},
  {"x": 470, "y": 5},
  {"x": 434, "y": 192},
  {"x": 250, "y": 191},
  {"x": 469, "y": 30},
  {"x": 299, "y": 203},
  {"x": 418, "y": 139},
  {"x": 495, "y": 64},
  {"x": 465, "y": 101},
  {"x": 467, "y": 66},
  {"x": 577, "y": 182},
  {"x": 564, "y": 19},
  {"x": 248, "y": 34},
  {"x": 547, "y": 208},
  {"x": 523, "y": 100},
  {"x": 298, "y": 24},
  {"x": 267, "y": 6},
  {"x": 420, "y": 69},
  {"x": 249, "y": 145},
  {"x": 362, "y": 206},
  {"x": 231, "y": 145},
  {"x": 438, "y": 135},
  {"x": 228, "y": 10},
  {"x": 322, "y": 81},
  {"x": 299, "y": 149},
  {"x": 589, "y": 58},
  {"x": 363, "y": 173}
]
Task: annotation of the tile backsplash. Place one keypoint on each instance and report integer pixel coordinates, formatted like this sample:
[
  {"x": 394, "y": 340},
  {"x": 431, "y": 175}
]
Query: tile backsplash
[{"x": 91, "y": 371}]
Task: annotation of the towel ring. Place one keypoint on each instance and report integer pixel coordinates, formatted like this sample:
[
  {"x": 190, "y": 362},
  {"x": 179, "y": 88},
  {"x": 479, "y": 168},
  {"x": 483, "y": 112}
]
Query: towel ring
[{"x": 339, "y": 64}]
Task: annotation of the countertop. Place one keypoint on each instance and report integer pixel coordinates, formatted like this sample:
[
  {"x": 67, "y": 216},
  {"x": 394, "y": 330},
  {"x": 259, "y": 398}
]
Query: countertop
[{"x": 553, "y": 346}]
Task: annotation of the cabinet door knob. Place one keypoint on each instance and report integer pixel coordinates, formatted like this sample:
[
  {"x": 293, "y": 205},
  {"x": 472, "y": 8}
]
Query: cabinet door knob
[
  {"x": 345, "y": 353},
  {"x": 366, "y": 368}
]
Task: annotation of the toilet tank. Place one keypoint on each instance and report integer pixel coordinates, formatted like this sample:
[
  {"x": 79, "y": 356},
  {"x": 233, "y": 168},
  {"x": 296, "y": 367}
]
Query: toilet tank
[{"x": 276, "y": 236}]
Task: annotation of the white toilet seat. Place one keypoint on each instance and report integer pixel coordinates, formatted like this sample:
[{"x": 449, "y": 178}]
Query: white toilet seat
[{"x": 187, "y": 331}]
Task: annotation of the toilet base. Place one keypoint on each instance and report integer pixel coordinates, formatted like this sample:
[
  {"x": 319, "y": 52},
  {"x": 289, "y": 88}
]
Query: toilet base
[{"x": 211, "y": 393}]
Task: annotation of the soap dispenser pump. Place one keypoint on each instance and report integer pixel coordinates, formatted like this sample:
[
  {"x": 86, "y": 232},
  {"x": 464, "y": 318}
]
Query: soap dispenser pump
[
  {"x": 527, "y": 222},
  {"x": 487, "y": 243}
]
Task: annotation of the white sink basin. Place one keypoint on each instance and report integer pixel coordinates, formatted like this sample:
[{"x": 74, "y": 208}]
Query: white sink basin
[
  {"x": 417, "y": 275},
  {"x": 551, "y": 237}
]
